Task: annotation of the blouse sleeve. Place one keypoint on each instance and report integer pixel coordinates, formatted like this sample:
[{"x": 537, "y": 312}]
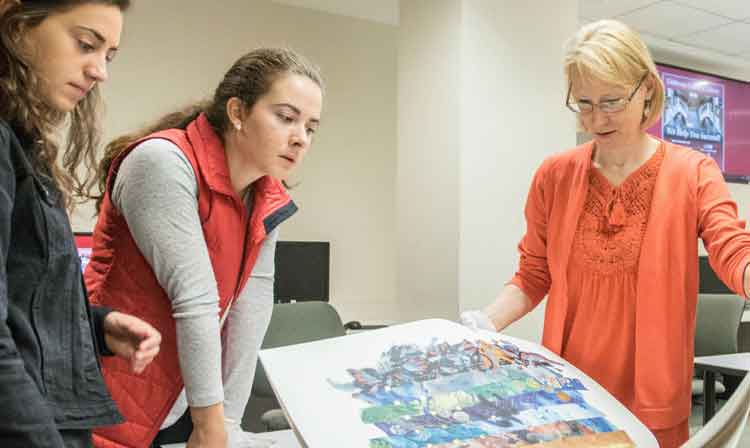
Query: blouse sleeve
[
  {"x": 724, "y": 235},
  {"x": 533, "y": 277}
]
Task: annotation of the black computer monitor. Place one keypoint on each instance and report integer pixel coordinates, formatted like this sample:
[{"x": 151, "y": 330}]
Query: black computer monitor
[
  {"x": 302, "y": 271},
  {"x": 709, "y": 282}
]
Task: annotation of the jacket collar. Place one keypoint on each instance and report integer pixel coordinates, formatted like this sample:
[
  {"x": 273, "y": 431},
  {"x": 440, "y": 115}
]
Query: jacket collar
[
  {"x": 209, "y": 150},
  {"x": 272, "y": 203}
]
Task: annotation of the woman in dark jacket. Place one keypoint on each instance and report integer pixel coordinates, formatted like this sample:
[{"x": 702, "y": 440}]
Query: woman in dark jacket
[{"x": 53, "y": 54}]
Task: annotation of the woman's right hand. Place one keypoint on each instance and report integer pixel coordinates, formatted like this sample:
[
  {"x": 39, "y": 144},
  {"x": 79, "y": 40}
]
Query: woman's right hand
[
  {"x": 509, "y": 306},
  {"x": 476, "y": 320}
]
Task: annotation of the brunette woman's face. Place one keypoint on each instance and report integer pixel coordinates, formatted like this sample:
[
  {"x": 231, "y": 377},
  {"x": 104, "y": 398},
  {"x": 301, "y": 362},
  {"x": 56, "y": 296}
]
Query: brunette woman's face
[
  {"x": 70, "y": 51},
  {"x": 279, "y": 129}
]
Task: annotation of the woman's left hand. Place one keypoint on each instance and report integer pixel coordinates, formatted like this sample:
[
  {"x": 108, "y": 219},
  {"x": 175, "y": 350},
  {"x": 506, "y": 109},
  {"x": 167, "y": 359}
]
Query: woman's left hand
[{"x": 132, "y": 339}]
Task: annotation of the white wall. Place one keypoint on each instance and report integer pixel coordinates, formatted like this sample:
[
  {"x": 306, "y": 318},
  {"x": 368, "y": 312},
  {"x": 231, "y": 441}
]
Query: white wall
[
  {"x": 175, "y": 51},
  {"x": 429, "y": 139},
  {"x": 480, "y": 106},
  {"x": 384, "y": 11},
  {"x": 513, "y": 117}
]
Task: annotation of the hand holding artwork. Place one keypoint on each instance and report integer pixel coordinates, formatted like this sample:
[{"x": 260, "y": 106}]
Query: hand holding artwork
[
  {"x": 476, "y": 320},
  {"x": 509, "y": 306}
]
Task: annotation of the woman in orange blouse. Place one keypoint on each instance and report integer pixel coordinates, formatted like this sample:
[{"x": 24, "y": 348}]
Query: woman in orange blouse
[{"x": 611, "y": 239}]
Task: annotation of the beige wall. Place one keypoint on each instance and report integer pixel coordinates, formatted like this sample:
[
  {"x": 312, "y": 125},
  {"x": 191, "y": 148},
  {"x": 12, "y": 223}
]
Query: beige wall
[
  {"x": 429, "y": 146},
  {"x": 480, "y": 106},
  {"x": 514, "y": 117},
  {"x": 176, "y": 51}
]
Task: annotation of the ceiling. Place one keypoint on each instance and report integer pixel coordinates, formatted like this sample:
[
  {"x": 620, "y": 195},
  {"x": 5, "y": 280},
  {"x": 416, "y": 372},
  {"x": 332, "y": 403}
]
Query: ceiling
[
  {"x": 720, "y": 27},
  {"x": 715, "y": 32}
]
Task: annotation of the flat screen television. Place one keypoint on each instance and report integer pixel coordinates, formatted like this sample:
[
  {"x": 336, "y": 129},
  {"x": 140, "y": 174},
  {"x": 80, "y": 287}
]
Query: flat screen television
[
  {"x": 302, "y": 271},
  {"x": 709, "y": 113},
  {"x": 84, "y": 243}
]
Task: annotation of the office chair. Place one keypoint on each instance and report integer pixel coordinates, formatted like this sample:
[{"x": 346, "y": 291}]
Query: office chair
[
  {"x": 717, "y": 322},
  {"x": 725, "y": 429},
  {"x": 291, "y": 323}
]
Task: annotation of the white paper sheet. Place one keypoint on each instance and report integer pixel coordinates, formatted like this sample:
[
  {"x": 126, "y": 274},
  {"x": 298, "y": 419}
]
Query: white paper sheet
[{"x": 327, "y": 408}]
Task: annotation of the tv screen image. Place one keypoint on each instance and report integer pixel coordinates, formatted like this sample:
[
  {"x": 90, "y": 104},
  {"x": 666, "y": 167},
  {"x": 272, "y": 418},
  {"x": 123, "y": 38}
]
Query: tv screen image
[
  {"x": 694, "y": 114},
  {"x": 710, "y": 114}
]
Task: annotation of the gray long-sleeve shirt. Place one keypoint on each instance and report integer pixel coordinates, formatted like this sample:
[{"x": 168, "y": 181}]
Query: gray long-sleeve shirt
[{"x": 156, "y": 192}]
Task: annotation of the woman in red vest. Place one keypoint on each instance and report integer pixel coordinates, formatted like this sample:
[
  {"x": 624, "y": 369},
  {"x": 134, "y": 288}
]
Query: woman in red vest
[
  {"x": 53, "y": 56},
  {"x": 611, "y": 239},
  {"x": 185, "y": 239}
]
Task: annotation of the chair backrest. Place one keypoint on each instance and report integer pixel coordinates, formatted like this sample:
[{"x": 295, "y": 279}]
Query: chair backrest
[
  {"x": 717, "y": 321},
  {"x": 295, "y": 323},
  {"x": 725, "y": 429}
]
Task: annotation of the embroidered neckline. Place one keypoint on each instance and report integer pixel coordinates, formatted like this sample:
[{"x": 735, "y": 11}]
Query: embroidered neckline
[
  {"x": 613, "y": 221},
  {"x": 645, "y": 171}
]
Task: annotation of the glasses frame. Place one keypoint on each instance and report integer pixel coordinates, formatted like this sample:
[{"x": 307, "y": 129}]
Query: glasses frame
[{"x": 594, "y": 105}]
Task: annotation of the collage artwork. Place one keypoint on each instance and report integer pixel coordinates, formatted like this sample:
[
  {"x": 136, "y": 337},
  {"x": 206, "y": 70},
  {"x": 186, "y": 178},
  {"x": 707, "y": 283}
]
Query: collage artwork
[{"x": 483, "y": 394}]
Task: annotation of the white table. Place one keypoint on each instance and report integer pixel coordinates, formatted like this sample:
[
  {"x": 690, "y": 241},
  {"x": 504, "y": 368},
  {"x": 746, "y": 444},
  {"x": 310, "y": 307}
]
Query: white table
[
  {"x": 283, "y": 439},
  {"x": 737, "y": 364}
]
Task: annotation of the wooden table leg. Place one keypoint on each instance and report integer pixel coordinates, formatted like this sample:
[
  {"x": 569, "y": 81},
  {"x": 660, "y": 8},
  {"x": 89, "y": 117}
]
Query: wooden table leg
[{"x": 709, "y": 395}]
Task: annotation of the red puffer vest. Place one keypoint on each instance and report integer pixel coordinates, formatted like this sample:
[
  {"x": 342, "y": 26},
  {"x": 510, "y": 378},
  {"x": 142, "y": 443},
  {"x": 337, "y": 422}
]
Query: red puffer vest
[{"x": 119, "y": 277}]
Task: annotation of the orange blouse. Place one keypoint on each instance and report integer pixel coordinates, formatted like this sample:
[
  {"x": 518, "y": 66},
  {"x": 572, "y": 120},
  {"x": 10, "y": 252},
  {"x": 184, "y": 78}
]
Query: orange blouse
[
  {"x": 602, "y": 278},
  {"x": 690, "y": 200}
]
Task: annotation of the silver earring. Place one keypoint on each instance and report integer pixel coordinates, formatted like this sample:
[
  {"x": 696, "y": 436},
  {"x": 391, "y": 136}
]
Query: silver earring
[{"x": 238, "y": 125}]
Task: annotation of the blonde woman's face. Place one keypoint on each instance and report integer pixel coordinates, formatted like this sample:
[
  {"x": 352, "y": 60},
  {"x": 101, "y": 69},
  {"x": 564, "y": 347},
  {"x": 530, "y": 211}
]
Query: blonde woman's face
[
  {"x": 611, "y": 129},
  {"x": 70, "y": 52}
]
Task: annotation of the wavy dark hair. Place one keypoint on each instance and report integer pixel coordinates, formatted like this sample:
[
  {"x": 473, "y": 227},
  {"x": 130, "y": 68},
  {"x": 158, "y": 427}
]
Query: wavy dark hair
[
  {"x": 248, "y": 79},
  {"x": 23, "y": 107}
]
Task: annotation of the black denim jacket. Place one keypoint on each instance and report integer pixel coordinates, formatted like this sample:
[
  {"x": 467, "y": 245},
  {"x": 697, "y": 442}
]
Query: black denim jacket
[{"x": 50, "y": 377}]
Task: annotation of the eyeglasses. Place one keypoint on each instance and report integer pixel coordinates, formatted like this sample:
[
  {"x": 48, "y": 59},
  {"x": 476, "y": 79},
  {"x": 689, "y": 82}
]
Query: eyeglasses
[{"x": 607, "y": 106}]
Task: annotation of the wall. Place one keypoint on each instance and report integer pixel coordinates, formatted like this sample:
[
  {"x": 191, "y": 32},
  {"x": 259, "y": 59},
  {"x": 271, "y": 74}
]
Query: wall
[
  {"x": 514, "y": 116},
  {"x": 429, "y": 144},
  {"x": 480, "y": 106}
]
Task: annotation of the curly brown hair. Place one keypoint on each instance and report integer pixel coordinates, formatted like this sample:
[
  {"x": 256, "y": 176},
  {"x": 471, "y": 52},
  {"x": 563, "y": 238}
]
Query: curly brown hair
[
  {"x": 249, "y": 78},
  {"x": 22, "y": 106}
]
